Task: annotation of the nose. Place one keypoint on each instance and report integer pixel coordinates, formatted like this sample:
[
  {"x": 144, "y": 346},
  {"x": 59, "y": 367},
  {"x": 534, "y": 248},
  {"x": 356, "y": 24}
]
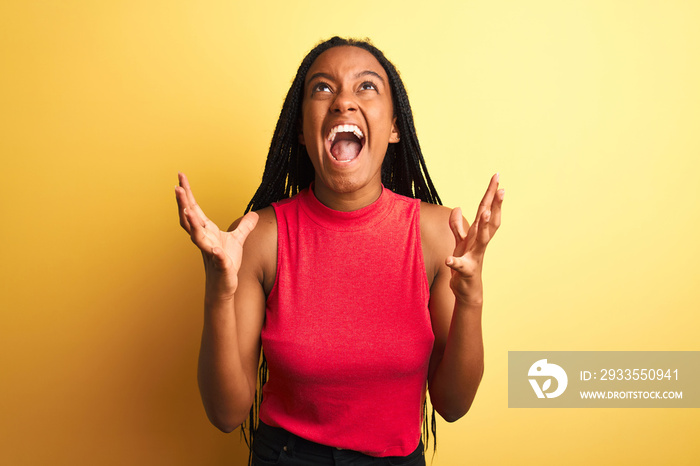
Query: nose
[{"x": 344, "y": 102}]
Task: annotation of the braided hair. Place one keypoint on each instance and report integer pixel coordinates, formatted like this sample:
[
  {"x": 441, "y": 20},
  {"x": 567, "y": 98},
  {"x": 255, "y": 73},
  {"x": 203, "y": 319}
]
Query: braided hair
[{"x": 288, "y": 170}]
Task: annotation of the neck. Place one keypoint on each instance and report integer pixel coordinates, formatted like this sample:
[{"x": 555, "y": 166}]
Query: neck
[{"x": 347, "y": 201}]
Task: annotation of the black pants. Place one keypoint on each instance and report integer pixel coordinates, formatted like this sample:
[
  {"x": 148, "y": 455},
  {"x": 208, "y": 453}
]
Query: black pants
[{"x": 273, "y": 445}]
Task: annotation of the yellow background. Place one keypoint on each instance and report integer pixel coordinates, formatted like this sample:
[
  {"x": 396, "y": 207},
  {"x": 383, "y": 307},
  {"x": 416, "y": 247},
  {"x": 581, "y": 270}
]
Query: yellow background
[{"x": 590, "y": 111}]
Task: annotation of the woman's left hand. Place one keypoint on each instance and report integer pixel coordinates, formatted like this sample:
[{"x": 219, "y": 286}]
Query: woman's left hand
[{"x": 467, "y": 259}]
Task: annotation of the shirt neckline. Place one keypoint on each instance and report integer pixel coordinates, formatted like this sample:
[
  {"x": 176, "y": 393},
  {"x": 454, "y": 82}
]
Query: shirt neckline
[{"x": 360, "y": 219}]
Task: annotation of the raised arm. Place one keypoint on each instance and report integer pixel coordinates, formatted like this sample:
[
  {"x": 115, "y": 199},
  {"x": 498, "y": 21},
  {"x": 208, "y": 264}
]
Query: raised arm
[
  {"x": 456, "y": 299},
  {"x": 234, "y": 307}
]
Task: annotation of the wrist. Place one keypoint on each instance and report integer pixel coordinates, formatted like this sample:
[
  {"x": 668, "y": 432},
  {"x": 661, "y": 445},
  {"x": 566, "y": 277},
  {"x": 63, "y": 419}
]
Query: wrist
[
  {"x": 217, "y": 298},
  {"x": 218, "y": 290},
  {"x": 469, "y": 303},
  {"x": 469, "y": 292}
]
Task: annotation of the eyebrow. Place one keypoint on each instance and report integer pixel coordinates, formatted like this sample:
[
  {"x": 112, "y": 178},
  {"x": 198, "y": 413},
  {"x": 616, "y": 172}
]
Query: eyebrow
[{"x": 358, "y": 75}]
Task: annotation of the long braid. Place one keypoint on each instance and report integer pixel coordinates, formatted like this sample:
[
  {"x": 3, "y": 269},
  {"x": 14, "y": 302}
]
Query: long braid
[{"x": 288, "y": 170}]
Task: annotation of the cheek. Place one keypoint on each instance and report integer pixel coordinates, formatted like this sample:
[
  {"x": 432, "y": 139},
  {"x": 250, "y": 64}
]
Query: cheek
[
  {"x": 312, "y": 120},
  {"x": 383, "y": 118}
]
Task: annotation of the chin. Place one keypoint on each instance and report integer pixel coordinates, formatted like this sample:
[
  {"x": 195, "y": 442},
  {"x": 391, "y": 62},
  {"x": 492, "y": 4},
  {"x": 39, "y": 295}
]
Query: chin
[{"x": 343, "y": 185}]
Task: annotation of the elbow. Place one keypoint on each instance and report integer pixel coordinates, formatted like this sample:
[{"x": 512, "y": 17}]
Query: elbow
[
  {"x": 454, "y": 414},
  {"x": 226, "y": 412},
  {"x": 226, "y": 418},
  {"x": 453, "y": 408},
  {"x": 226, "y": 423},
  {"x": 226, "y": 428},
  {"x": 452, "y": 417}
]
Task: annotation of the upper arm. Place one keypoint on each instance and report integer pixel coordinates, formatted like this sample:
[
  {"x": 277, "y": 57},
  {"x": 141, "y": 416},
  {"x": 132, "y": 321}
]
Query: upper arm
[
  {"x": 255, "y": 279},
  {"x": 438, "y": 243}
]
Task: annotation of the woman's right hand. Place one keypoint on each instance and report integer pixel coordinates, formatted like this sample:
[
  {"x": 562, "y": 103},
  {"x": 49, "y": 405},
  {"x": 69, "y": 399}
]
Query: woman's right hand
[{"x": 222, "y": 251}]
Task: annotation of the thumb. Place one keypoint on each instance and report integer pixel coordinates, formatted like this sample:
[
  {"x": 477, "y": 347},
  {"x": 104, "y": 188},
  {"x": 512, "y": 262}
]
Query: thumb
[
  {"x": 457, "y": 227},
  {"x": 246, "y": 225},
  {"x": 457, "y": 224},
  {"x": 456, "y": 263}
]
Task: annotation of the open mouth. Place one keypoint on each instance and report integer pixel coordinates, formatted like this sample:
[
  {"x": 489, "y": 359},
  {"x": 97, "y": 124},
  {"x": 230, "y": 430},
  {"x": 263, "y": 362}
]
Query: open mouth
[{"x": 346, "y": 142}]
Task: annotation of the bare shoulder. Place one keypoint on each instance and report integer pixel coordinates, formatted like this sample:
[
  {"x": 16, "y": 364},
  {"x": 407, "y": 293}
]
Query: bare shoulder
[
  {"x": 434, "y": 217},
  {"x": 260, "y": 248},
  {"x": 435, "y": 225},
  {"x": 436, "y": 237}
]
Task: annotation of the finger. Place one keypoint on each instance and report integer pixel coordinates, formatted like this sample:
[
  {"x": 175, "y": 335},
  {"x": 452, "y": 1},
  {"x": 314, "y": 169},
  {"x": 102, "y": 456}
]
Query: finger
[
  {"x": 181, "y": 206},
  {"x": 185, "y": 183},
  {"x": 198, "y": 232},
  {"x": 484, "y": 233},
  {"x": 486, "y": 201},
  {"x": 496, "y": 209},
  {"x": 472, "y": 235}
]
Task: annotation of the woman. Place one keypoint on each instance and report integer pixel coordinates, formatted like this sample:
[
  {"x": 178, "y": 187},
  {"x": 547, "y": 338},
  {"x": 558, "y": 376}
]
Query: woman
[{"x": 360, "y": 295}]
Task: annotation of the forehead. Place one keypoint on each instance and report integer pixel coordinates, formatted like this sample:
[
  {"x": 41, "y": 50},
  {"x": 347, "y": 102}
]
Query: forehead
[{"x": 345, "y": 60}]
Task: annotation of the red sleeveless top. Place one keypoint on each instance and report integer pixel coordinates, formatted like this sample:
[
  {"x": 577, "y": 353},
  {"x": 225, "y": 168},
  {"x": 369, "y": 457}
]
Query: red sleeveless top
[{"x": 347, "y": 332}]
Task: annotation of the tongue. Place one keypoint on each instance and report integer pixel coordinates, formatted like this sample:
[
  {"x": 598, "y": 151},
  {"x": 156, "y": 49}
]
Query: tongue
[{"x": 344, "y": 150}]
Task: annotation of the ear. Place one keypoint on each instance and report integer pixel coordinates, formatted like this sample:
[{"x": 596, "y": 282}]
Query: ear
[{"x": 394, "y": 136}]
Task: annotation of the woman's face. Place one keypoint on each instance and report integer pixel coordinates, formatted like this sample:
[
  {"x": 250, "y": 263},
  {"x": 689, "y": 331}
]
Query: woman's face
[{"x": 347, "y": 121}]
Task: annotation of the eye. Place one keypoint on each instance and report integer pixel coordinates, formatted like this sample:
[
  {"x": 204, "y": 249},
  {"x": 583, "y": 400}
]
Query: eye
[
  {"x": 368, "y": 86},
  {"x": 320, "y": 87}
]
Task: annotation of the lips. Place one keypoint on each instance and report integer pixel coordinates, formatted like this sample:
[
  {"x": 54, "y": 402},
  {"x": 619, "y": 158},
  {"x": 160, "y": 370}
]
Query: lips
[{"x": 346, "y": 141}]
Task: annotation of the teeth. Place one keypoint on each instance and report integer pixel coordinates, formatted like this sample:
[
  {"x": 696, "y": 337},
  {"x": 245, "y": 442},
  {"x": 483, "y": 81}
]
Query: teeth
[{"x": 345, "y": 129}]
